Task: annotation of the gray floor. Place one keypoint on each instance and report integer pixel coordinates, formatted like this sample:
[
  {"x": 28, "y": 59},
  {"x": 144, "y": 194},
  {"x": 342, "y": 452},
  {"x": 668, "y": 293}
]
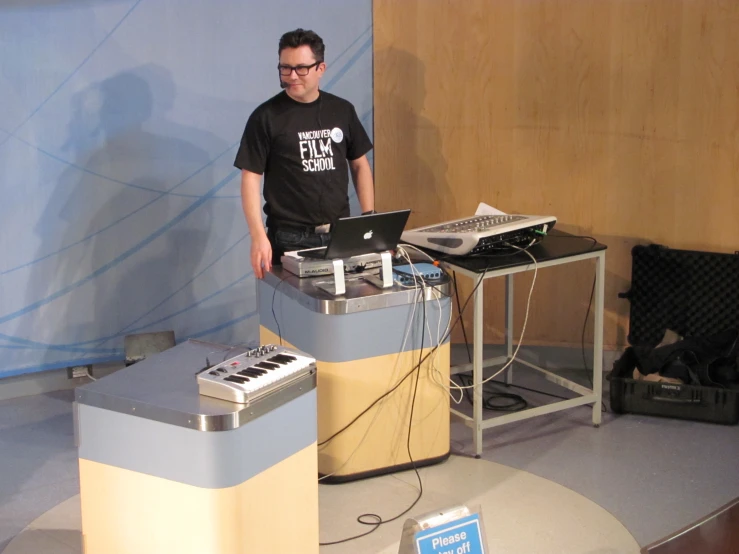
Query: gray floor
[
  {"x": 654, "y": 475},
  {"x": 38, "y": 460}
]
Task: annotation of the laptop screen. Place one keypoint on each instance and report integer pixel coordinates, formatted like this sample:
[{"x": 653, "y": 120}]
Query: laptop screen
[{"x": 366, "y": 234}]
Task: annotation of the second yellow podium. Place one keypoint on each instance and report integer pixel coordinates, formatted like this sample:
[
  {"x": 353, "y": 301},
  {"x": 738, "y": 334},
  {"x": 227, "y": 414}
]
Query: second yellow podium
[{"x": 367, "y": 343}]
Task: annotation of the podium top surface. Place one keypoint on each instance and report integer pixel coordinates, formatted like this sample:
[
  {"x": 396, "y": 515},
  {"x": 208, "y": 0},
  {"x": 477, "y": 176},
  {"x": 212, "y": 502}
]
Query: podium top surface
[
  {"x": 360, "y": 294},
  {"x": 163, "y": 387}
]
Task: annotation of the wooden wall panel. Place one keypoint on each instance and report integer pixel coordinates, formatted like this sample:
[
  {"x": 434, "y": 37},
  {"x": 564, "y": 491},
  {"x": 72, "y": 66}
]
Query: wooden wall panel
[{"x": 620, "y": 117}]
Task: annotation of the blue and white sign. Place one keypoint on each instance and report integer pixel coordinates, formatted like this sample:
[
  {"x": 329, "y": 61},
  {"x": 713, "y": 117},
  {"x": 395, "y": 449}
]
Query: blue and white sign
[{"x": 461, "y": 536}]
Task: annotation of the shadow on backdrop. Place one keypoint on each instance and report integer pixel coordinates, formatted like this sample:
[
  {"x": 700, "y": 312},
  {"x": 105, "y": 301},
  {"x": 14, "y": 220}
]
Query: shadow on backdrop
[{"x": 141, "y": 236}]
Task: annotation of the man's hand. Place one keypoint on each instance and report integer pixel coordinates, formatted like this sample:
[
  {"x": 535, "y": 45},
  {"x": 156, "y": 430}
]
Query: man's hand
[
  {"x": 261, "y": 255},
  {"x": 251, "y": 201}
]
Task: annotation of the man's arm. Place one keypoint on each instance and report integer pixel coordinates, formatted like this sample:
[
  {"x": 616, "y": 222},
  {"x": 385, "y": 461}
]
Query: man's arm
[
  {"x": 251, "y": 201},
  {"x": 363, "y": 183}
]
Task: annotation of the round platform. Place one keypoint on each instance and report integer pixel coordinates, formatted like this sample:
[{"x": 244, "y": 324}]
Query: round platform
[{"x": 522, "y": 513}]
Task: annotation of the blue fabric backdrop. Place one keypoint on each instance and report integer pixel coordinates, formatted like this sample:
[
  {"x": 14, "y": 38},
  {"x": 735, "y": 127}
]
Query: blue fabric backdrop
[{"x": 119, "y": 203}]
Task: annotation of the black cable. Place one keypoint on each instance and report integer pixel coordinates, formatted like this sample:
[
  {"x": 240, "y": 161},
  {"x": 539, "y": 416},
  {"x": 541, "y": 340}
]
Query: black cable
[
  {"x": 516, "y": 404},
  {"x": 532, "y": 390},
  {"x": 362, "y": 519},
  {"x": 481, "y": 279},
  {"x": 274, "y": 315},
  {"x": 395, "y": 387},
  {"x": 503, "y": 252},
  {"x": 587, "y": 314},
  {"x": 437, "y": 289},
  {"x": 503, "y": 383},
  {"x": 584, "y": 325},
  {"x": 464, "y": 330},
  {"x": 359, "y": 519},
  {"x": 390, "y": 391},
  {"x": 493, "y": 253},
  {"x": 568, "y": 236},
  {"x": 456, "y": 291}
]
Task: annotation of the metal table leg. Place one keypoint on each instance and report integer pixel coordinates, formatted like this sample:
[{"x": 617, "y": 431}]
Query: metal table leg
[
  {"x": 600, "y": 272},
  {"x": 477, "y": 369},
  {"x": 509, "y": 327}
]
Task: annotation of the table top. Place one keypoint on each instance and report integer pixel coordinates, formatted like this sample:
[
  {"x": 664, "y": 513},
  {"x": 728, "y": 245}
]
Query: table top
[
  {"x": 555, "y": 246},
  {"x": 163, "y": 387}
]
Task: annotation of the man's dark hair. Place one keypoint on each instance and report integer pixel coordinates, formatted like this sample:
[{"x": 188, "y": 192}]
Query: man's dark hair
[{"x": 301, "y": 37}]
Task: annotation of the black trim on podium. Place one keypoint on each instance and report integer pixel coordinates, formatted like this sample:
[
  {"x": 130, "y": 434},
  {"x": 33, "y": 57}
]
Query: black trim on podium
[{"x": 338, "y": 479}]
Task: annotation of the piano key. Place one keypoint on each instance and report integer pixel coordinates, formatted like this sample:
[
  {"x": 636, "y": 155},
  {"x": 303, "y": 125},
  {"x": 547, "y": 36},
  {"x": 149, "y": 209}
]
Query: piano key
[
  {"x": 282, "y": 359},
  {"x": 252, "y": 372}
]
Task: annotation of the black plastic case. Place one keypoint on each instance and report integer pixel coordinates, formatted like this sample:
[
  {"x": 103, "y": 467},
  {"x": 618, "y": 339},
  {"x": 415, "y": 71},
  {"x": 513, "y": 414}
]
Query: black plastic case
[{"x": 694, "y": 294}]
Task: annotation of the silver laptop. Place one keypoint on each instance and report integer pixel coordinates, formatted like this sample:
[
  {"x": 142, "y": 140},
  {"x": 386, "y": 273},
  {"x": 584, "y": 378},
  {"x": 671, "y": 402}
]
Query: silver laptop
[{"x": 362, "y": 234}]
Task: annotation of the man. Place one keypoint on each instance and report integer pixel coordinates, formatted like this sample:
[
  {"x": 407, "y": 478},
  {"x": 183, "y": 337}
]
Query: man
[{"x": 301, "y": 140}]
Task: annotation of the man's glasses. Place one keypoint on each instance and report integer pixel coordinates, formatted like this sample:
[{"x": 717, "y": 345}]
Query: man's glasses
[{"x": 300, "y": 70}]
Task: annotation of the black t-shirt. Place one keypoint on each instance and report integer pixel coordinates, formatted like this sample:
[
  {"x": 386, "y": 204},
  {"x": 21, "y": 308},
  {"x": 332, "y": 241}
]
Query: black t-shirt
[{"x": 302, "y": 149}]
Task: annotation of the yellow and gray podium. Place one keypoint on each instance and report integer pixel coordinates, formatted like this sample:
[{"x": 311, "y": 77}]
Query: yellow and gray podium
[
  {"x": 367, "y": 342},
  {"x": 164, "y": 469}
]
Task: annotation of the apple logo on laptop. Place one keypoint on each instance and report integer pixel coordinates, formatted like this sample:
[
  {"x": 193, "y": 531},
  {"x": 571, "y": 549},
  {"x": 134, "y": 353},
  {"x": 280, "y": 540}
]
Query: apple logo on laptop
[{"x": 368, "y": 235}]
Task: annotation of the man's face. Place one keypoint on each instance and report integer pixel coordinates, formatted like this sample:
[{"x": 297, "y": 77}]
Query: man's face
[{"x": 301, "y": 88}]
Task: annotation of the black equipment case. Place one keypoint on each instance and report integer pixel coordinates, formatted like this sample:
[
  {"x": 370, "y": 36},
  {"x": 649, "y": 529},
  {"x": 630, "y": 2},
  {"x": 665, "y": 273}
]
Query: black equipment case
[{"x": 695, "y": 294}]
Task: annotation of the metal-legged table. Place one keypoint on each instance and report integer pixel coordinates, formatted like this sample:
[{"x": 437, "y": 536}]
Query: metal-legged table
[{"x": 556, "y": 249}]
